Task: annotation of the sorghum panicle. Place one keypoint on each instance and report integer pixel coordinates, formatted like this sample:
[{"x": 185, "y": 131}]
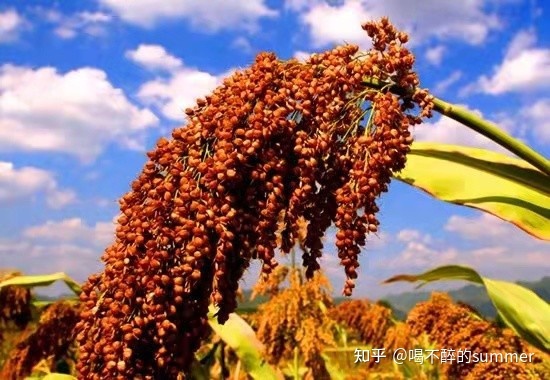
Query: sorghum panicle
[{"x": 277, "y": 142}]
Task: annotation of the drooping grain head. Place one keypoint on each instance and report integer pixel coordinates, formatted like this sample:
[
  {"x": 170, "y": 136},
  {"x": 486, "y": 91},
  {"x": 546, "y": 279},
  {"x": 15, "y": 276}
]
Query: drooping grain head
[
  {"x": 294, "y": 318},
  {"x": 276, "y": 143},
  {"x": 453, "y": 326},
  {"x": 15, "y": 303},
  {"x": 51, "y": 338}
]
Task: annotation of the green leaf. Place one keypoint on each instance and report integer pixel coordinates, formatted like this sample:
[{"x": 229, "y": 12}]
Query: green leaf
[
  {"x": 42, "y": 280},
  {"x": 238, "y": 335},
  {"x": 506, "y": 187},
  {"x": 52, "y": 376},
  {"x": 198, "y": 371},
  {"x": 334, "y": 370},
  {"x": 520, "y": 308}
]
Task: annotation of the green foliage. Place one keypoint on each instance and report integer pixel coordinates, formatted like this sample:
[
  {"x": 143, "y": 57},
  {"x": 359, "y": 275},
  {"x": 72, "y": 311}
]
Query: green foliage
[
  {"x": 519, "y": 308},
  {"x": 32, "y": 281},
  {"x": 473, "y": 295},
  {"x": 506, "y": 187},
  {"x": 238, "y": 335},
  {"x": 52, "y": 376}
]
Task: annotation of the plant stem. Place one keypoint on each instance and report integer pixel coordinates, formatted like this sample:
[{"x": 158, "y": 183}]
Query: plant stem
[
  {"x": 296, "y": 365},
  {"x": 494, "y": 133},
  {"x": 478, "y": 124}
]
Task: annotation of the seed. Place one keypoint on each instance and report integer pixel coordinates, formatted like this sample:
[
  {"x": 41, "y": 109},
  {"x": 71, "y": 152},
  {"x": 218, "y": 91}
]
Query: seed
[{"x": 121, "y": 366}]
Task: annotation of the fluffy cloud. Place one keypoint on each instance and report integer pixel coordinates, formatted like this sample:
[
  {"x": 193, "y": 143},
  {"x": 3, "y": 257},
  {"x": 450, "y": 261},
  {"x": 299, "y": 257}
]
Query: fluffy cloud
[
  {"x": 154, "y": 57},
  {"x": 535, "y": 116},
  {"x": 529, "y": 122},
  {"x": 69, "y": 245},
  {"x": 494, "y": 247},
  {"x": 502, "y": 242},
  {"x": 91, "y": 23},
  {"x": 33, "y": 258},
  {"x": 209, "y": 16},
  {"x": 301, "y": 55},
  {"x": 448, "y": 131},
  {"x": 333, "y": 23},
  {"x": 11, "y": 23},
  {"x": 443, "y": 85},
  {"x": 23, "y": 183},
  {"x": 242, "y": 44},
  {"x": 73, "y": 230},
  {"x": 525, "y": 68},
  {"x": 174, "y": 94},
  {"x": 179, "y": 90},
  {"x": 435, "y": 54},
  {"x": 79, "y": 112}
]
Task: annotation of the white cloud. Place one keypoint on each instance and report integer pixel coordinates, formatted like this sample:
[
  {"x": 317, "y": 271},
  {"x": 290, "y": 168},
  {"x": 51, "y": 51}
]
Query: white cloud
[
  {"x": 298, "y": 5},
  {"x": 154, "y": 57},
  {"x": 91, "y": 23},
  {"x": 448, "y": 131},
  {"x": 412, "y": 235},
  {"x": 435, "y": 54},
  {"x": 495, "y": 248},
  {"x": 443, "y": 85},
  {"x": 242, "y": 44},
  {"x": 420, "y": 250},
  {"x": 173, "y": 95},
  {"x": 442, "y": 20},
  {"x": 18, "y": 184},
  {"x": 35, "y": 258},
  {"x": 11, "y": 24},
  {"x": 302, "y": 56},
  {"x": 336, "y": 24},
  {"x": 209, "y": 16},
  {"x": 501, "y": 241},
  {"x": 418, "y": 255},
  {"x": 60, "y": 198},
  {"x": 78, "y": 112},
  {"x": 523, "y": 40},
  {"x": 484, "y": 226},
  {"x": 70, "y": 245},
  {"x": 530, "y": 70},
  {"x": 72, "y": 230},
  {"x": 526, "y": 124},
  {"x": 536, "y": 118},
  {"x": 524, "y": 68}
]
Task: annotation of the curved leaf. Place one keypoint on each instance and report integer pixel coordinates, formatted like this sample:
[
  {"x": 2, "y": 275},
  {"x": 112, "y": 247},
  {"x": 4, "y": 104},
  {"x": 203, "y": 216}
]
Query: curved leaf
[
  {"x": 520, "y": 308},
  {"x": 506, "y": 187},
  {"x": 238, "y": 335},
  {"x": 52, "y": 376},
  {"x": 42, "y": 280}
]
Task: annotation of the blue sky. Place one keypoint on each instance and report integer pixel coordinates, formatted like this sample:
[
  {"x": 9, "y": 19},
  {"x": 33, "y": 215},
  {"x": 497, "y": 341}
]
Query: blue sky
[{"x": 86, "y": 88}]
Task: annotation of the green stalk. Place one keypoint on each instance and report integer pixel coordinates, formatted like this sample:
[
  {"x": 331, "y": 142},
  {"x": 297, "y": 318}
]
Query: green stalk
[
  {"x": 480, "y": 125},
  {"x": 494, "y": 133},
  {"x": 296, "y": 364}
]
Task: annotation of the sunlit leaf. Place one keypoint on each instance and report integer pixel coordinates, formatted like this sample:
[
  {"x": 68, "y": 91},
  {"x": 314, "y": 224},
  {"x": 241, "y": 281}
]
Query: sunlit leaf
[
  {"x": 42, "y": 280},
  {"x": 52, "y": 376},
  {"x": 518, "y": 307},
  {"x": 238, "y": 335},
  {"x": 506, "y": 187}
]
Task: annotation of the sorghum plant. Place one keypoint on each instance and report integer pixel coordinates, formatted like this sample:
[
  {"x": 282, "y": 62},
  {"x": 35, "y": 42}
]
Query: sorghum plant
[
  {"x": 278, "y": 141},
  {"x": 455, "y": 327},
  {"x": 51, "y": 338}
]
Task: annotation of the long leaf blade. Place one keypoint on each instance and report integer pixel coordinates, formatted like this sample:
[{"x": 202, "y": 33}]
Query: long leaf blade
[
  {"x": 520, "y": 308},
  {"x": 42, "y": 280},
  {"x": 506, "y": 187},
  {"x": 238, "y": 335}
]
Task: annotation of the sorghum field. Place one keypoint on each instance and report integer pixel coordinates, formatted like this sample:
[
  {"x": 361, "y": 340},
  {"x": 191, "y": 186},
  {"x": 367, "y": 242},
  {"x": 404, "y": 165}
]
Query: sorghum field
[{"x": 263, "y": 166}]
